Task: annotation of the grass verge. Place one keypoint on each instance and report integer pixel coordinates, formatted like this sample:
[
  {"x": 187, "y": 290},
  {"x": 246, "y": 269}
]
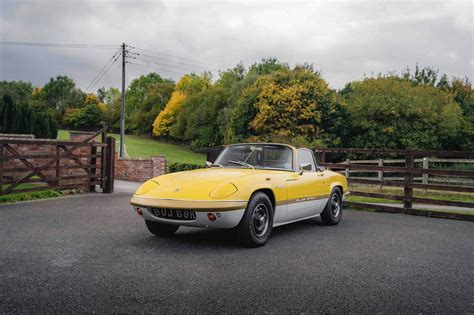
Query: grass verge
[
  {"x": 143, "y": 147},
  {"x": 30, "y": 196}
]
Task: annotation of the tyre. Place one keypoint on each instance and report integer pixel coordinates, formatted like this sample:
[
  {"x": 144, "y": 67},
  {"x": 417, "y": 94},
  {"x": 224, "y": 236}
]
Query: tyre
[
  {"x": 256, "y": 225},
  {"x": 161, "y": 229},
  {"x": 332, "y": 213}
]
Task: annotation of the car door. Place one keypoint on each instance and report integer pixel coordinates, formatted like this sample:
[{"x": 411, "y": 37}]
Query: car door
[{"x": 306, "y": 188}]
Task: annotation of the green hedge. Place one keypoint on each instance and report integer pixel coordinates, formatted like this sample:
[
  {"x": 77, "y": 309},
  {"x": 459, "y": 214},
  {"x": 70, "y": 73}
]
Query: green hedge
[{"x": 179, "y": 167}]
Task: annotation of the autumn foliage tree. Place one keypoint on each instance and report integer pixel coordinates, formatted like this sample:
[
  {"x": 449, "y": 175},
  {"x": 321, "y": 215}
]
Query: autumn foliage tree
[
  {"x": 188, "y": 85},
  {"x": 292, "y": 105}
]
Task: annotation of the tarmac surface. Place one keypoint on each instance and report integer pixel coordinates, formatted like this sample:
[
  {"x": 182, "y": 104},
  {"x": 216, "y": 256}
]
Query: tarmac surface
[{"x": 91, "y": 253}]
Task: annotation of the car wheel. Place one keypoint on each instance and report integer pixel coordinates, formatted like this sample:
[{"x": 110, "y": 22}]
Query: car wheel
[
  {"x": 256, "y": 225},
  {"x": 161, "y": 229},
  {"x": 332, "y": 213}
]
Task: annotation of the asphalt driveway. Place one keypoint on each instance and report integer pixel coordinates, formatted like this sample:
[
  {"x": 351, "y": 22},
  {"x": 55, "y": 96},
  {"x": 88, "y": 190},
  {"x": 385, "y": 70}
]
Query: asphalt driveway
[{"x": 91, "y": 253}]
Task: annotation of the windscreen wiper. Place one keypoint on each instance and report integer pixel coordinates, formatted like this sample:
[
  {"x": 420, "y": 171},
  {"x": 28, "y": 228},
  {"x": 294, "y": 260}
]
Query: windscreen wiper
[{"x": 241, "y": 163}]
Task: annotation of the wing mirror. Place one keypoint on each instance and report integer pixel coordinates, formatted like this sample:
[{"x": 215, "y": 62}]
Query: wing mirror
[
  {"x": 208, "y": 164},
  {"x": 305, "y": 167}
]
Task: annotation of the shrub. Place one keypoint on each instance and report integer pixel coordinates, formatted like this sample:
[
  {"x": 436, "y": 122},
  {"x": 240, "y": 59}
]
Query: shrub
[{"x": 179, "y": 167}]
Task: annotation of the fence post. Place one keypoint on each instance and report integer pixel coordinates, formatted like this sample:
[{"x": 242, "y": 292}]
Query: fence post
[
  {"x": 348, "y": 172},
  {"x": 425, "y": 166},
  {"x": 58, "y": 165},
  {"x": 108, "y": 175},
  {"x": 93, "y": 162},
  {"x": 380, "y": 173},
  {"x": 408, "y": 189},
  {"x": 1, "y": 168}
]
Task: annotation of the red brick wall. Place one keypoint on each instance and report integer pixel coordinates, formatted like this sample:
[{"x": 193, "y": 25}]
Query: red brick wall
[{"x": 139, "y": 170}]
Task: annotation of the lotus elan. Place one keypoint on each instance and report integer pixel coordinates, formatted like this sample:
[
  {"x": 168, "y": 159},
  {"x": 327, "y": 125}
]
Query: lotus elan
[{"x": 250, "y": 188}]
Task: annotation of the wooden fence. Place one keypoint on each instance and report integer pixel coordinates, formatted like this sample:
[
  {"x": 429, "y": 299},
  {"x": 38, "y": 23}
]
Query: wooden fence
[
  {"x": 336, "y": 159},
  {"x": 35, "y": 165}
]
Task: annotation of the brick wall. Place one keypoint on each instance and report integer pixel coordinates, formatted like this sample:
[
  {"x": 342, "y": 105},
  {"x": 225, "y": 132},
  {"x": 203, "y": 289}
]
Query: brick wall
[{"x": 139, "y": 170}]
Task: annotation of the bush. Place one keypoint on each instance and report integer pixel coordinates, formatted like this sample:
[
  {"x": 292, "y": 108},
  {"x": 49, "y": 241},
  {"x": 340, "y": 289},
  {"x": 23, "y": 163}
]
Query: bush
[{"x": 179, "y": 167}]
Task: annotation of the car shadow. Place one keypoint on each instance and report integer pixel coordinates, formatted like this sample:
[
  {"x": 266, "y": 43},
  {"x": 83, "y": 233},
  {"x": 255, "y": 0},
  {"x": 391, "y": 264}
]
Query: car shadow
[{"x": 201, "y": 239}]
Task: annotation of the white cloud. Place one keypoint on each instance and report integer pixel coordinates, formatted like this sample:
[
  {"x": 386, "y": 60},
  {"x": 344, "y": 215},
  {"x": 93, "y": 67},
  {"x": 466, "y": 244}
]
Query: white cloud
[{"x": 344, "y": 39}]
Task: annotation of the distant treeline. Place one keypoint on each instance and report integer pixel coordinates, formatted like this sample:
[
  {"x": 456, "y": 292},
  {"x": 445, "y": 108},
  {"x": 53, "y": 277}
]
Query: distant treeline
[{"x": 271, "y": 101}]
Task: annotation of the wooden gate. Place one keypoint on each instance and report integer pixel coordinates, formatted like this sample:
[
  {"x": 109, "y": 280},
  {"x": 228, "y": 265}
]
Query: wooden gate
[{"x": 35, "y": 165}]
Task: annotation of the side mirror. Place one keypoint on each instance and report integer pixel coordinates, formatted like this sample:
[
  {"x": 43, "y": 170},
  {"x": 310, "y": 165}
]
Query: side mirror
[
  {"x": 321, "y": 168},
  {"x": 208, "y": 164},
  {"x": 305, "y": 167}
]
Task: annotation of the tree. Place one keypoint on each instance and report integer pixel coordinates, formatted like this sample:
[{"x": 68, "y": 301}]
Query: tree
[
  {"x": 292, "y": 105},
  {"x": 18, "y": 91},
  {"x": 464, "y": 96},
  {"x": 88, "y": 116},
  {"x": 198, "y": 121},
  {"x": 145, "y": 98},
  {"x": 189, "y": 85},
  {"x": 111, "y": 99},
  {"x": 167, "y": 116},
  {"x": 241, "y": 110},
  {"x": 389, "y": 112},
  {"x": 60, "y": 93},
  {"x": 18, "y": 117}
]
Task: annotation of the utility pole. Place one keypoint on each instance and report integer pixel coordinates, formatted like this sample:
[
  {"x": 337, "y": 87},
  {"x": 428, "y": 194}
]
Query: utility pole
[{"x": 122, "y": 106}]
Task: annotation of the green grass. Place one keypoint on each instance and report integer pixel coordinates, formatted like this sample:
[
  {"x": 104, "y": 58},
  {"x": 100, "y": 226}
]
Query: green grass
[
  {"x": 398, "y": 191},
  {"x": 15, "y": 197},
  {"x": 143, "y": 147},
  {"x": 63, "y": 135},
  {"x": 369, "y": 199},
  {"x": 431, "y": 194}
]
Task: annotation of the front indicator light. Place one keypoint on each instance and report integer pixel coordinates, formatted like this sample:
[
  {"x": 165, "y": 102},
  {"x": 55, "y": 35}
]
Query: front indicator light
[
  {"x": 211, "y": 216},
  {"x": 139, "y": 210}
]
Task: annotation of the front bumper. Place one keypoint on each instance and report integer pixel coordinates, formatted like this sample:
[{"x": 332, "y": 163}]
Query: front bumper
[
  {"x": 196, "y": 205},
  {"x": 228, "y": 213},
  {"x": 224, "y": 220}
]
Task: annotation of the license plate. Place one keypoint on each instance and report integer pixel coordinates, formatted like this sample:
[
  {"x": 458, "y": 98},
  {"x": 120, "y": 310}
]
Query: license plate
[{"x": 174, "y": 214}]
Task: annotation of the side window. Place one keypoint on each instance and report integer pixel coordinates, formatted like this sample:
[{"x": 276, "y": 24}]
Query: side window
[{"x": 305, "y": 156}]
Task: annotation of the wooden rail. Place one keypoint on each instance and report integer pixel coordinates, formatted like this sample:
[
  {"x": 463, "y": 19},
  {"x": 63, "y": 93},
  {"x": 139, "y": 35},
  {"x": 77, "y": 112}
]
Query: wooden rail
[
  {"x": 336, "y": 159},
  {"x": 53, "y": 164}
]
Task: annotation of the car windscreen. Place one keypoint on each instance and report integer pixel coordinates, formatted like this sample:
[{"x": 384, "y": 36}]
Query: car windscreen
[{"x": 264, "y": 156}]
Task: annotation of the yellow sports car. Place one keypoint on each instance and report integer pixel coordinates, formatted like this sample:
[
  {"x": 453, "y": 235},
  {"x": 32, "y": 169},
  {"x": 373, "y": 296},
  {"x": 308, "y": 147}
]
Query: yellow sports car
[{"x": 251, "y": 187}]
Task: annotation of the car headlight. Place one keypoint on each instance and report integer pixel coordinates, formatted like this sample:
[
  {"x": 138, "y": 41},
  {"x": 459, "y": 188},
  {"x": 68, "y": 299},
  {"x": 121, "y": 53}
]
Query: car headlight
[
  {"x": 223, "y": 191},
  {"x": 146, "y": 187}
]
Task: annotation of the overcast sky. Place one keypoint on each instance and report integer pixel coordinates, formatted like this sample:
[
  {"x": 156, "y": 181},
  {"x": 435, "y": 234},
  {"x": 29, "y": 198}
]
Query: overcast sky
[{"x": 342, "y": 39}]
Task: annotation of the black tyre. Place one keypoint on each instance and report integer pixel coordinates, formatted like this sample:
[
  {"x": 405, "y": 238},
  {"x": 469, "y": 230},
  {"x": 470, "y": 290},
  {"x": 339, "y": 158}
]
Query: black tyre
[
  {"x": 256, "y": 225},
  {"x": 161, "y": 229},
  {"x": 333, "y": 211}
]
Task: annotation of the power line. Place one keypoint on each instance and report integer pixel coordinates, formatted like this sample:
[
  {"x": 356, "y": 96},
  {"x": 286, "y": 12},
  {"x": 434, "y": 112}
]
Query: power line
[
  {"x": 165, "y": 65},
  {"x": 104, "y": 72},
  {"x": 147, "y": 66},
  {"x": 59, "y": 45},
  {"x": 182, "y": 58},
  {"x": 178, "y": 62},
  {"x": 103, "y": 68}
]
